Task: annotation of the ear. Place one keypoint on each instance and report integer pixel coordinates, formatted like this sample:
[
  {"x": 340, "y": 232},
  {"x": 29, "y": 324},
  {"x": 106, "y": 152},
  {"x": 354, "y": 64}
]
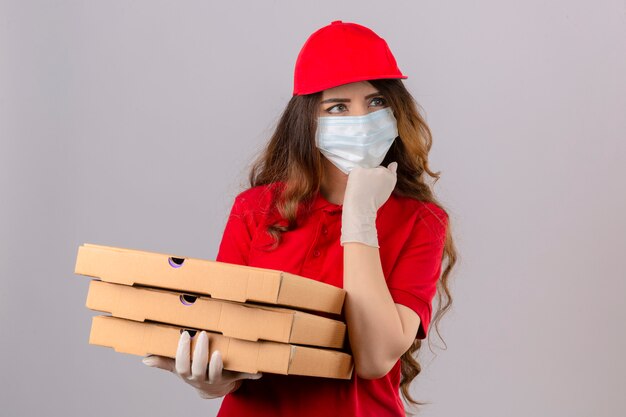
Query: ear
[{"x": 393, "y": 167}]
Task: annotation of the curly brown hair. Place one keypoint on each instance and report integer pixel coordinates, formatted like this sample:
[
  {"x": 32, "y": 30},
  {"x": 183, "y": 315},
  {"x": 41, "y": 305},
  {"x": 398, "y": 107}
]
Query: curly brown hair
[{"x": 292, "y": 159}]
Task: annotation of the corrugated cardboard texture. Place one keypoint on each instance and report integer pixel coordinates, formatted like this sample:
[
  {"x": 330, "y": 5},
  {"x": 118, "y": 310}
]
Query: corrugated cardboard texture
[
  {"x": 138, "y": 338},
  {"x": 217, "y": 279},
  {"x": 232, "y": 319}
]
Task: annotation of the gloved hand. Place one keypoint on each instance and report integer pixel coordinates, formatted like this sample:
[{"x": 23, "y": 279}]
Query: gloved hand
[
  {"x": 366, "y": 191},
  {"x": 216, "y": 384}
]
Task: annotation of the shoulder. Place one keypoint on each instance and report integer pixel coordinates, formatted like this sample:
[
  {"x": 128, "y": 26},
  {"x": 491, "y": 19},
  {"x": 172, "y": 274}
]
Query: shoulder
[
  {"x": 425, "y": 216},
  {"x": 431, "y": 210},
  {"x": 257, "y": 198},
  {"x": 421, "y": 209}
]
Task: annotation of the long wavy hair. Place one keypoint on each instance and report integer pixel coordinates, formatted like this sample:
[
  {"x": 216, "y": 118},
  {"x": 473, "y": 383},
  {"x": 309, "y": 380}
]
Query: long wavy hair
[{"x": 292, "y": 159}]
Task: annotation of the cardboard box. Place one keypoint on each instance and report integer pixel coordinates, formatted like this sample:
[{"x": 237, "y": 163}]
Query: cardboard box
[
  {"x": 241, "y": 321},
  {"x": 138, "y": 338},
  {"x": 217, "y": 279}
]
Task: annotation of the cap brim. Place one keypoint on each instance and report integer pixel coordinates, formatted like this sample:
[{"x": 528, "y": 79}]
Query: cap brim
[{"x": 322, "y": 87}]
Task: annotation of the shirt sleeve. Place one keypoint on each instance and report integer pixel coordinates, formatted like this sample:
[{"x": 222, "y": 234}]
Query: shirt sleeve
[
  {"x": 235, "y": 244},
  {"x": 413, "y": 279}
]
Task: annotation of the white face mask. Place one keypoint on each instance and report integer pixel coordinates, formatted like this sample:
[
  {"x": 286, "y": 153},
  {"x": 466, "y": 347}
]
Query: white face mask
[{"x": 349, "y": 141}]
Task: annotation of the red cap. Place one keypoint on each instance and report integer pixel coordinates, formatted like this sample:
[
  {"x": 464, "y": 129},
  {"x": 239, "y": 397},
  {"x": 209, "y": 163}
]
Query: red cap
[{"x": 342, "y": 53}]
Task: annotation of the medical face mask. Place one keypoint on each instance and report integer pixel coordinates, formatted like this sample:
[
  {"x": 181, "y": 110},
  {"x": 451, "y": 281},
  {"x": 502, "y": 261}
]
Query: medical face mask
[{"x": 349, "y": 141}]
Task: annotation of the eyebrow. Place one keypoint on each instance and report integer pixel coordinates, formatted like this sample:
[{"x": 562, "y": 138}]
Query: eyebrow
[{"x": 347, "y": 100}]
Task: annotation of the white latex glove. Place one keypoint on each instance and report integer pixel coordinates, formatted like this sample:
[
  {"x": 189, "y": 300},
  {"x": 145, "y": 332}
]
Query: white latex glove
[
  {"x": 215, "y": 383},
  {"x": 366, "y": 191}
]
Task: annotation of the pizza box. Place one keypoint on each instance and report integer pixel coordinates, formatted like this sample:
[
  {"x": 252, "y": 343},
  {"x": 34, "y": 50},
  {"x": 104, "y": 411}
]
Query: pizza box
[
  {"x": 219, "y": 280},
  {"x": 236, "y": 320},
  {"x": 142, "y": 338}
]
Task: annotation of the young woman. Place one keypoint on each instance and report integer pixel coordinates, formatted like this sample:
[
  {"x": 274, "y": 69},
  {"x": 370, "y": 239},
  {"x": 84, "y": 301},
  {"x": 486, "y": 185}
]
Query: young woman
[{"x": 321, "y": 205}]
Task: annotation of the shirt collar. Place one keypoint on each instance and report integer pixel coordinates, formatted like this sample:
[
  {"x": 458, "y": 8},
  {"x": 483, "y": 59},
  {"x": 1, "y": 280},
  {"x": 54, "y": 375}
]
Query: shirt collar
[{"x": 320, "y": 203}]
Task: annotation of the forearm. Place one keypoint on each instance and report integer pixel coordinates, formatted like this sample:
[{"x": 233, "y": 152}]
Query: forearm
[{"x": 374, "y": 326}]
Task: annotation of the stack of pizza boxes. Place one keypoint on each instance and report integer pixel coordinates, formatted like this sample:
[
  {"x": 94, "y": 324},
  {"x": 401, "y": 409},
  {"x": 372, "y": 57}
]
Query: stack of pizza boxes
[{"x": 261, "y": 320}]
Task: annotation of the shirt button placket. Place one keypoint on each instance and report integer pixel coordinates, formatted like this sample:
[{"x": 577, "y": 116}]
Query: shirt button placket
[{"x": 323, "y": 231}]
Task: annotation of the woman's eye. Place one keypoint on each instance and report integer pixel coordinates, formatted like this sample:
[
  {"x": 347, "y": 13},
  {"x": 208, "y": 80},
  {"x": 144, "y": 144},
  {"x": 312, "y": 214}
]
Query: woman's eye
[
  {"x": 379, "y": 101},
  {"x": 334, "y": 109}
]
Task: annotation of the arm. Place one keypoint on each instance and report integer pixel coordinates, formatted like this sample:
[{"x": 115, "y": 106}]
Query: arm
[
  {"x": 235, "y": 244},
  {"x": 385, "y": 314},
  {"x": 380, "y": 330}
]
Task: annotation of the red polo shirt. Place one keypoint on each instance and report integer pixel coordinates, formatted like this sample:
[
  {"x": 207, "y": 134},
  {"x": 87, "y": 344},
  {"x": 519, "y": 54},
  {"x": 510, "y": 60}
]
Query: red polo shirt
[{"x": 411, "y": 235}]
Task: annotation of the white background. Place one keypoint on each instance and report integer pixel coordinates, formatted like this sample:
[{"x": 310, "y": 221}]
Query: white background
[{"x": 133, "y": 123}]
